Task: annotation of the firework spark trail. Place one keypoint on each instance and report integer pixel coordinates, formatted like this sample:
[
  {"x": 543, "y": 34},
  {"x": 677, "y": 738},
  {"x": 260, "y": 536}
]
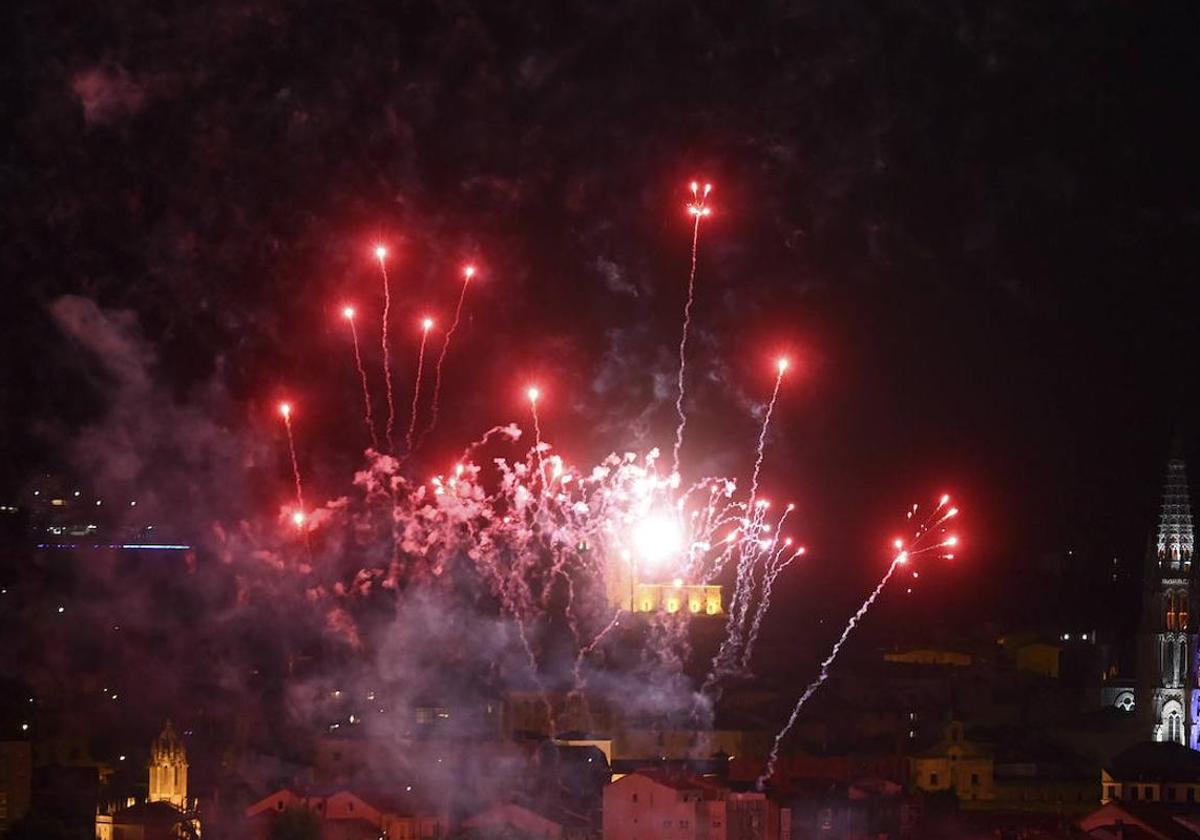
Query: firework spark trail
[
  {"x": 733, "y": 653},
  {"x": 381, "y": 255},
  {"x": 285, "y": 409},
  {"x": 903, "y": 555},
  {"x": 781, "y": 367},
  {"x": 551, "y": 724},
  {"x": 348, "y": 314},
  {"x": 748, "y": 546},
  {"x": 698, "y": 210},
  {"x": 534, "y": 393},
  {"x": 778, "y": 564},
  {"x": 412, "y": 417},
  {"x": 773, "y": 565},
  {"x": 748, "y": 551},
  {"x": 824, "y": 672},
  {"x": 468, "y": 273},
  {"x": 587, "y": 649}
]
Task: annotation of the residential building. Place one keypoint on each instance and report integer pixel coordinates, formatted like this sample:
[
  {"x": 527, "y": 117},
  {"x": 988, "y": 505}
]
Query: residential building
[
  {"x": 1140, "y": 821},
  {"x": 671, "y": 803},
  {"x": 1162, "y": 771},
  {"x": 347, "y": 815}
]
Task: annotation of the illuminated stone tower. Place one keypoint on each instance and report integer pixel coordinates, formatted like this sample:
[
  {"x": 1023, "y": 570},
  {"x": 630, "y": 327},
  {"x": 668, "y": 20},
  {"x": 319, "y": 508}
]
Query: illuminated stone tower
[
  {"x": 168, "y": 769},
  {"x": 1167, "y": 656}
]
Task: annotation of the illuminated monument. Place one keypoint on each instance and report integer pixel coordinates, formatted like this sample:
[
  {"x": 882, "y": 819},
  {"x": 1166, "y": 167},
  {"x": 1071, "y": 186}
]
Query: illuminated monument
[
  {"x": 166, "y": 812},
  {"x": 168, "y": 769},
  {"x": 638, "y": 580},
  {"x": 1167, "y": 683}
]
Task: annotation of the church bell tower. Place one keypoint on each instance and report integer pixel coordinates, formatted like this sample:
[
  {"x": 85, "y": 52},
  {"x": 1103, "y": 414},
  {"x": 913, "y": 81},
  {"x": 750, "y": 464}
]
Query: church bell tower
[
  {"x": 1167, "y": 657},
  {"x": 168, "y": 769}
]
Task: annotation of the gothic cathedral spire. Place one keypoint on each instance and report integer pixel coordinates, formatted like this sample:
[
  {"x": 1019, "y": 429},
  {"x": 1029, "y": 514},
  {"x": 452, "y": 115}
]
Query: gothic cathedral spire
[
  {"x": 1168, "y": 644},
  {"x": 168, "y": 769}
]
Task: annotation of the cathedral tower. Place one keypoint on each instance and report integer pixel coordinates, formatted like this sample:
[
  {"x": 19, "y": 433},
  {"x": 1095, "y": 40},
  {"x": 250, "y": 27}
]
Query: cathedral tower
[
  {"x": 168, "y": 769},
  {"x": 1167, "y": 657}
]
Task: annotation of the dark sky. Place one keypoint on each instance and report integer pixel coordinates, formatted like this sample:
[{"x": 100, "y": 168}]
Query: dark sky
[{"x": 974, "y": 226}]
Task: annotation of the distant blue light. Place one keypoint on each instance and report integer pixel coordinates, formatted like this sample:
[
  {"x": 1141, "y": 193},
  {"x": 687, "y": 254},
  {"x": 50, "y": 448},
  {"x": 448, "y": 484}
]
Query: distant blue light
[
  {"x": 124, "y": 546},
  {"x": 151, "y": 546}
]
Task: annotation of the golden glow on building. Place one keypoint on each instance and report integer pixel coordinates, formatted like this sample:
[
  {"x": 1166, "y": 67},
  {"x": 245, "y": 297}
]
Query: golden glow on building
[{"x": 696, "y": 599}]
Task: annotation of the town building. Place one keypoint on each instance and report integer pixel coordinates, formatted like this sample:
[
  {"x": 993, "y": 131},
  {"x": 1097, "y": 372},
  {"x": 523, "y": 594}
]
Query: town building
[
  {"x": 511, "y": 819},
  {"x": 347, "y": 815},
  {"x": 16, "y": 771},
  {"x": 955, "y": 764},
  {"x": 873, "y": 808},
  {"x": 1162, "y": 771},
  {"x": 672, "y": 803},
  {"x": 1140, "y": 821}
]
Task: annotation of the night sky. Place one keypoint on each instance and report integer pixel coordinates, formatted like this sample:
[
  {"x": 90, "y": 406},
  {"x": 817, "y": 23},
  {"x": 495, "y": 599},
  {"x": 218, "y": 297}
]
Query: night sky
[{"x": 975, "y": 228}]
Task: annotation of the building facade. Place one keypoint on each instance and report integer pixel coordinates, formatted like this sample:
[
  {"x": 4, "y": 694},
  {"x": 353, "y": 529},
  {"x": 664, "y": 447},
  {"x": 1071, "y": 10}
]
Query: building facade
[
  {"x": 16, "y": 771},
  {"x": 344, "y": 815},
  {"x": 673, "y": 804},
  {"x": 955, "y": 764},
  {"x": 1167, "y": 683},
  {"x": 1152, "y": 772}
]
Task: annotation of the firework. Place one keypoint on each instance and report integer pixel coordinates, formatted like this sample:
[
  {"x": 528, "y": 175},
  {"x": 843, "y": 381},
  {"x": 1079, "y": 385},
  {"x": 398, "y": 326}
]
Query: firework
[
  {"x": 698, "y": 209},
  {"x": 349, "y": 314},
  {"x": 381, "y": 255},
  {"x": 921, "y": 544},
  {"x": 760, "y": 557},
  {"x": 468, "y": 274},
  {"x": 534, "y": 393},
  {"x": 781, "y": 367},
  {"x": 426, "y": 326},
  {"x": 556, "y": 544},
  {"x": 285, "y": 410}
]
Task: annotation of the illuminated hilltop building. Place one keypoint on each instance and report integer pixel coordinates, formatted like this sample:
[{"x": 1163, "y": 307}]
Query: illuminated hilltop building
[
  {"x": 694, "y": 598},
  {"x": 635, "y": 590},
  {"x": 1169, "y": 690}
]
